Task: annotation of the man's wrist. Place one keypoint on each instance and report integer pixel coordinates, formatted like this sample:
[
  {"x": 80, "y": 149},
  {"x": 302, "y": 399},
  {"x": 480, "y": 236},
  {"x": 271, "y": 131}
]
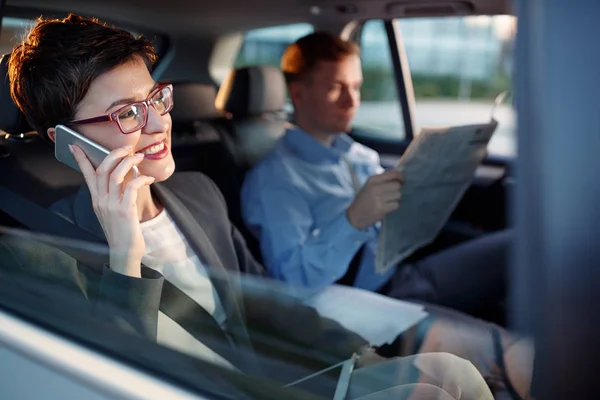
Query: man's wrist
[{"x": 352, "y": 220}]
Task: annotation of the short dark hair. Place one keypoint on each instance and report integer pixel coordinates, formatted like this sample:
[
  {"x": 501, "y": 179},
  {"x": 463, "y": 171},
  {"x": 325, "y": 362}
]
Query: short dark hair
[
  {"x": 301, "y": 57},
  {"x": 52, "y": 69}
]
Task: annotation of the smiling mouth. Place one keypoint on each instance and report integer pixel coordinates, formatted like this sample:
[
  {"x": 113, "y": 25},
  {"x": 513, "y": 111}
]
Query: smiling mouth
[{"x": 157, "y": 148}]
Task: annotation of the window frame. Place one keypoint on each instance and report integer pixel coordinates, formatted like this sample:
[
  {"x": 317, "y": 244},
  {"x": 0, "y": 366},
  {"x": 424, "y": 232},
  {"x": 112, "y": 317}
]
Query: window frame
[
  {"x": 388, "y": 149},
  {"x": 406, "y": 94},
  {"x": 384, "y": 146},
  {"x": 108, "y": 377}
]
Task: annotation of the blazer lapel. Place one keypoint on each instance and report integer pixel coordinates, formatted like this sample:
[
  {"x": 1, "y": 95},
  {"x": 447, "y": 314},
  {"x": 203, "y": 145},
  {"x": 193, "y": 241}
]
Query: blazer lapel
[
  {"x": 226, "y": 284},
  {"x": 200, "y": 243}
]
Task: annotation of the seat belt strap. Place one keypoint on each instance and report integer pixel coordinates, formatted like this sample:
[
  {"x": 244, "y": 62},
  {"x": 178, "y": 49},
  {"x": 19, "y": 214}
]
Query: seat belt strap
[{"x": 36, "y": 218}]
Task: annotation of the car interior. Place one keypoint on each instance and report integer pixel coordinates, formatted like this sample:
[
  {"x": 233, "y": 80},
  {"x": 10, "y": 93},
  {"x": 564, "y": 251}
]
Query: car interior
[
  {"x": 227, "y": 117},
  {"x": 223, "y": 128}
]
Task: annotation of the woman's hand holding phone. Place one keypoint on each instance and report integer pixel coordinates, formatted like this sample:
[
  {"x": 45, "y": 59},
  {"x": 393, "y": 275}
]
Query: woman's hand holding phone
[{"x": 115, "y": 205}]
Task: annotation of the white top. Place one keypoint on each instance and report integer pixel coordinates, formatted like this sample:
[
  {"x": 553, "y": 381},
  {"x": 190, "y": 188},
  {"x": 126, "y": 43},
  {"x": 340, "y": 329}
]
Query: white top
[{"x": 168, "y": 252}]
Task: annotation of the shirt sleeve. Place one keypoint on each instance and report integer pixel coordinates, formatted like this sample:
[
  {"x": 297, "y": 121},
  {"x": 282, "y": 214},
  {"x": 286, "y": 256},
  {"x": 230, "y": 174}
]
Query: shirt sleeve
[{"x": 293, "y": 250}]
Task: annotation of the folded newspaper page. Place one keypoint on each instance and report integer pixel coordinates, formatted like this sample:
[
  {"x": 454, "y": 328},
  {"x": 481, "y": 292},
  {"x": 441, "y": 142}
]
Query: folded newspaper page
[
  {"x": 377, "y": 318},
  {"x": 438, "y": 168}
]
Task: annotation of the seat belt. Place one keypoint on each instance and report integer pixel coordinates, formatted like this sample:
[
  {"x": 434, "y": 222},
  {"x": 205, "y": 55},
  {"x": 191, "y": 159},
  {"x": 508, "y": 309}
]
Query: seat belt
[
  {"x": 349, "y": 278},
  {"x": 39, "y": 220}
]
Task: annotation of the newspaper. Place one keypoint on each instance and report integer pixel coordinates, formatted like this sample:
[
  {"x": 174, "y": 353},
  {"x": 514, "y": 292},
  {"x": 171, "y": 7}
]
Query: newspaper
[
  {"x": 377, "y": 318},
  {"x": 438, "y": 168}
]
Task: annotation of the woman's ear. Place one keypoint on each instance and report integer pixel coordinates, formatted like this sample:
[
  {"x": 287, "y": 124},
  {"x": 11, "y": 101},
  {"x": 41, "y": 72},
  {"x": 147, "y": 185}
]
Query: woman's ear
[{"x": 51, "y": 134}]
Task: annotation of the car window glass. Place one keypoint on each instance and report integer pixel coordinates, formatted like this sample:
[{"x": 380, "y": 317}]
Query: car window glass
[
  {"x": 55, "y": 284},
  {"x": 379, "y": 114},
  {"x": 13, "y": 30},
  {"x": 265, "y": 46},
  {"x": 459, "y": 65}
]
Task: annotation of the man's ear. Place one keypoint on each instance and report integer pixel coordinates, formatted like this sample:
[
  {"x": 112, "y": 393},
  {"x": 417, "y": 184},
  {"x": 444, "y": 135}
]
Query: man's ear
[
  {"x": 295, "y": 91},
  {"x": 51, "y": 134}
]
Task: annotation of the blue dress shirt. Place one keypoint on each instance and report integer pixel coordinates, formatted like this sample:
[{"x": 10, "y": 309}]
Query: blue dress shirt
[{"x": 295, "y": 202}]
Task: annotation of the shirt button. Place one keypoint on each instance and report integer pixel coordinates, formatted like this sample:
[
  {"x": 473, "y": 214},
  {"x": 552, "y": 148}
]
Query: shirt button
[{"x": 357, "y": 242}]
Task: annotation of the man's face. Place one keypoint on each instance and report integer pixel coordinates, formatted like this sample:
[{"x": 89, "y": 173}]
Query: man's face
[{"x": 327, "y": 99}]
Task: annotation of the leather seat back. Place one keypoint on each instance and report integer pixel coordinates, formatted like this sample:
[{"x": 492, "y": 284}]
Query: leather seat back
[
  {"x": 253, "y": 99},
  {"x": 199, "y": 138},
  {"x": 27, "y": 163}
]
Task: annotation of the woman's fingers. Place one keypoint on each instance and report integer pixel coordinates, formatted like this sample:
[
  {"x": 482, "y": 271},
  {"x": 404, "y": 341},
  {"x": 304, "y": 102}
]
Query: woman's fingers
[
  {"x": 87, "y": 169},
  {"x": 132, "y": 188},
  {"x": 115, "y": 205},
  {"x": 107, "y": 166},
  {"x": 117, "y": 177},
  {"x": 106, "y": 182}
]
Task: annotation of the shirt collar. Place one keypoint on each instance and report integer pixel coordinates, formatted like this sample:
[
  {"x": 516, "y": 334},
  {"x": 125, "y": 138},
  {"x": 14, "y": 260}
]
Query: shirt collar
[{"x": 311, "y": 150}]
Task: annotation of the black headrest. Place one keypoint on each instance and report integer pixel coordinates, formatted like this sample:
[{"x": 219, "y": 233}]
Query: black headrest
[
  {"x": 193, "y": 101},
  {"x": 252, "y": 91},
  {"x": 11, "y": 119}
]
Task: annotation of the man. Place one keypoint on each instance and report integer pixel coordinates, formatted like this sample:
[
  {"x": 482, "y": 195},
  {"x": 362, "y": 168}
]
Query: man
[
  {"x": 172, "y": 269},
  {"x": 316, "y": 201}
]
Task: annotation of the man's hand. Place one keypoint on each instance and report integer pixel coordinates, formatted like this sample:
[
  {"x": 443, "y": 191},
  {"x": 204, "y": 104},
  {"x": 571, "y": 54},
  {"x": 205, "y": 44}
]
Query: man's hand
[{"x": 380, "y": 196}]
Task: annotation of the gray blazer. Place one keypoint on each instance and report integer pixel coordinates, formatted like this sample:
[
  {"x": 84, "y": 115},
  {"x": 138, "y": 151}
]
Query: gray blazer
[{"x": 274, "y": 327}]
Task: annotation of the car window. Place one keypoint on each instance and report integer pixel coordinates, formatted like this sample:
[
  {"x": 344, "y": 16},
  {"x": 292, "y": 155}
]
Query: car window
[
  {"x": 379, "y": 114},
  {"x": 265, "y": 46},
  {"x": 41, "y": 282},
  {"x": 12, "y": 32},
  {"x": 73, "y": 288},
  {"x": 459, "y": 65}
]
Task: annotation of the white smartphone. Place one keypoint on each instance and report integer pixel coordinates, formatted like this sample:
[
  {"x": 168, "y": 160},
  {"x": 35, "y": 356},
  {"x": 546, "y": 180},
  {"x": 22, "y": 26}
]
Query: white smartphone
[{"x": 95, "y": 153}]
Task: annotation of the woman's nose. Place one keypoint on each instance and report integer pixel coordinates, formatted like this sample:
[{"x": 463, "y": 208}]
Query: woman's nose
[{"x": 156, "y": 122}]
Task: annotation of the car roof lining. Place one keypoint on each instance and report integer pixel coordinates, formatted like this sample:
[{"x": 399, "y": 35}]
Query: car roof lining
[{"x": 204, "y": 18}]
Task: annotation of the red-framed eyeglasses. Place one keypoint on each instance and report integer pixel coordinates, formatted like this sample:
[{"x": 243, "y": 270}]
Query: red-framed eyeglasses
[{"x": 134, "y": 116}]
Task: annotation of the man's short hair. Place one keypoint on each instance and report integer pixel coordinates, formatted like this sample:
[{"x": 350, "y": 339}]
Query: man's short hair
[
  {"x": 301, "y": 57},
  {"x": 52, "y": 69}
]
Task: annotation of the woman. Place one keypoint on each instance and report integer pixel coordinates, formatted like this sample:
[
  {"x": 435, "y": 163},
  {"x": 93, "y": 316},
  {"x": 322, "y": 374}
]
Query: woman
[{"x": 97, "y": 80}]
